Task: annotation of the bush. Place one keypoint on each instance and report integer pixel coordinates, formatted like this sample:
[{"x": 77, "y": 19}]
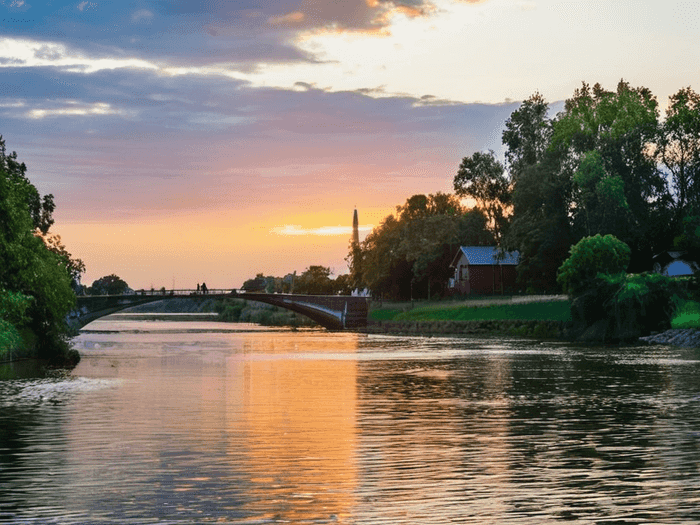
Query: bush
[{"x": 589, "y": 257}]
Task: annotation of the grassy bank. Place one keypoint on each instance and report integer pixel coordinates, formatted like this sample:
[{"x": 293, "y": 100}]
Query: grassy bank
[
  {"x": 532, "y": 317},
  {"x": 559, "y": 310},
  {"x": 687, "y": 315}
]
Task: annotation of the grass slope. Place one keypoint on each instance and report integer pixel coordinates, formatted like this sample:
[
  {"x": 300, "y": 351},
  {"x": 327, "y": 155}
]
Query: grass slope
[
  {"x": 542, "y": 311},
  {"x": 687, "y": 315}
]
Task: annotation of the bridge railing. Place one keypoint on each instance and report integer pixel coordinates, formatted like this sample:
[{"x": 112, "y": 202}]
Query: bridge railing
[
  {"x": 170, "y": 293},
  {"x": 188, "y": 292}
]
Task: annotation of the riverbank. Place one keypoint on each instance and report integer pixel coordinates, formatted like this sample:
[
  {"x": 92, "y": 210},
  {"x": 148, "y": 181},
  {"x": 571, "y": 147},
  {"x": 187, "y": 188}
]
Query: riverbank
[
  {"x": 683, "y": 337},
  {"x": 540, "y": 329},
  {"x": 543, "y": 317}
]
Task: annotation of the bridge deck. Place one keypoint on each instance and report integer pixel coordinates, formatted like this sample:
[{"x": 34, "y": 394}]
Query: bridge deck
[{"x": 335, "y": 312}]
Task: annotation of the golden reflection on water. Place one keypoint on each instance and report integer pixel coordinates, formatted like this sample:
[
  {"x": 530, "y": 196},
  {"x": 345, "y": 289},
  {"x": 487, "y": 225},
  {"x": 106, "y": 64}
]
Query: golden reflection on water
[
  {"x": 282, "y": 407},
  {"x": 214, "y": 423},
  {"x": 300, "y": 416}
]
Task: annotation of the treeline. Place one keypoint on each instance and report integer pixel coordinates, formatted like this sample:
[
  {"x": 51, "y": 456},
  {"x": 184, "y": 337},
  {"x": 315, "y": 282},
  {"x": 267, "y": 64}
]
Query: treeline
[
  {"x": 409, "y": 254},
  {"x": 37, "y": 274},
  {"x": 315, "y": 280},
  {"x": 607, "y": 164}
]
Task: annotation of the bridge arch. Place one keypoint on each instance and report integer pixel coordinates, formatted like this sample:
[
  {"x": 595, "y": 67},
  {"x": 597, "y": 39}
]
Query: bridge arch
[{"x": 333, "y": 312}]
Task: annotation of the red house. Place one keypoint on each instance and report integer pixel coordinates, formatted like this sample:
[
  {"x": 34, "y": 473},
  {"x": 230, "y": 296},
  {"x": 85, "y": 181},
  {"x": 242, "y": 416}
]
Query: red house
[{"x": 484, "y": 270}]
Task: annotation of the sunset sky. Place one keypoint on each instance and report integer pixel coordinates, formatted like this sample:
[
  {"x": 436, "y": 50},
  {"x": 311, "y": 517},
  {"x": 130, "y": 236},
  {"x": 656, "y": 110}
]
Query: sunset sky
[{"x": 209, "y": 141}]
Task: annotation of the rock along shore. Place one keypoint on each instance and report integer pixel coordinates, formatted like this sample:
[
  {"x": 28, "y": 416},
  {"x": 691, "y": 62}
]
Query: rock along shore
[{"x": 685, "y": 337}]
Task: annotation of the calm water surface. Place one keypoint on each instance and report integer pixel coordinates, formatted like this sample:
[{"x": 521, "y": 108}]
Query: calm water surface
[{"x": 166, "y": 421}]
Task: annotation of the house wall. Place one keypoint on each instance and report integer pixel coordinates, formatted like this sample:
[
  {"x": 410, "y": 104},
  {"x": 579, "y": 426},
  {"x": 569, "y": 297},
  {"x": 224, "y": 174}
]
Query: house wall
[{"x": 493, "y": 279}]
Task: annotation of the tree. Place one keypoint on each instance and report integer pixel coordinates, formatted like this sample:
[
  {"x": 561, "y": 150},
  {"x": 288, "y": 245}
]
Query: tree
[
  {"x": 622, "y": 127},
  {"x": 74, "y": 266},
  {"x": 315, "y": 281},
  {"x": 527, "y": 135},
  {"x": 27, "y": 266},
  {"x": 410, "y": 254},
  {"x": 108, "y": 285},
  {"x": 600, "y": 197},
  {"x": 590, "y": 170},
  {"x": 679, "y": 151},
  {"x": 482, "y": 177},
  {"x": 589, "y": 257}
]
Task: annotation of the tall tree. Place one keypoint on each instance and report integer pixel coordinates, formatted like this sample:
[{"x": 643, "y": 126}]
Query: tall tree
[
  {"x": 482, "y": 177},
  {"x": 622, "y": 127},
  {"x": 679, "y": 150},
  {"x": 27, "y": 266},
  {"x": 527, "y": 135}
]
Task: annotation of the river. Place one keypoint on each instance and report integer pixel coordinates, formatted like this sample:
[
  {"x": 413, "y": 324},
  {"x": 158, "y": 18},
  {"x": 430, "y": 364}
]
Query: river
[{"x": 173, "y": 421}]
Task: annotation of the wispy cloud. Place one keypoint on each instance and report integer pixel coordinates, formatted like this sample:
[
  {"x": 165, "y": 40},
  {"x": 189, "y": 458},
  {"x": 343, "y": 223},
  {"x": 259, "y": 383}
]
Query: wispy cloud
[
  {"x": 75, "y": 108},
  {"x": 142, "y": 15},
  {"x": 292, "y": 229}
]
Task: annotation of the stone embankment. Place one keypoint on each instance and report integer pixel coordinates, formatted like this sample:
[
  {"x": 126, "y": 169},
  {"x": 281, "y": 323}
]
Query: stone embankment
[{"x": 685, "y": 337}]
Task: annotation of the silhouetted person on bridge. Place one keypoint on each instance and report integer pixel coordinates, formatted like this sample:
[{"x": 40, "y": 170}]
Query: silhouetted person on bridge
[
  {"x": 204, "y": 288},
  {"x": 197, "y": 287}
]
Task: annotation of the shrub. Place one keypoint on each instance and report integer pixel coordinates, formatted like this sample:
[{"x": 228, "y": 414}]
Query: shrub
[{"x": 589, "y": 257}]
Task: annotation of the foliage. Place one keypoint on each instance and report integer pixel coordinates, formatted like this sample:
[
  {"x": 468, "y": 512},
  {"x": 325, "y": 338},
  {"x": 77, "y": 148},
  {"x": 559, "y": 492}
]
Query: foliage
[
  {"x": 588, "y": 258},
  {"x": 28, "y": 267},
  {"x": 109, "y": 285},
  {"x": 598, "y": 168},
  {"x": 550, "y": 310},
  {"x": 14, "y": 172},
  {"x": 14, "y": 307},
  {"x": 527, "y": 135},
  {"x": 74, "y": 266},
  {"x": 315, "y": 280},
  {"x": 686, "y": 315},
  {"x": 482, "y": 178},
  {"x": 13, "y": 313},
  {"x": 409, "y": 253},
  {"x": 638, "y": 303},
  {"x": 679, "y": 150}
]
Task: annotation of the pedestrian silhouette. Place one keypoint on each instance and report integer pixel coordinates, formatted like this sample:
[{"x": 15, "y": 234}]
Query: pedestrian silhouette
[
  {"x": 197, "y": 287},
  {"x": 204, "y": 288}
]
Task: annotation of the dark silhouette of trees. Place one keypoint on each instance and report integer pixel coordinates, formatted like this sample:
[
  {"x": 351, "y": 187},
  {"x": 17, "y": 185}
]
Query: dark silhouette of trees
[
  {"x": 409, "y": 254},
  {"x": 108, "y": 285}
]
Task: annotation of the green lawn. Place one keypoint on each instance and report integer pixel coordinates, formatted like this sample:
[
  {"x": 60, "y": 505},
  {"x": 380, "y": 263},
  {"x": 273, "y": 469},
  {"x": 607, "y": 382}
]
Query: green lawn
[
  {"x": 687, "y": 315},
  {"x": 545, "y": 311}
]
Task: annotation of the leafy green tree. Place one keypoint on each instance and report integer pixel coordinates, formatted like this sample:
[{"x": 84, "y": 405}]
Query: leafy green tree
[
  {"x": 28, "y": 266},
  {"x": 108, "y": 285},
  {"x": 589, "y": 257},
  {"x": 410, "y": 253},
  {"x": 527, "y": 135},
  {"x": 590, "y": 170},
  {"x": 679, "y": 151},
  {"x": 621, "y": 127},
  {"x": 482, "y": 177},
  {"x": 599, "y": 197},
  {"x": 75, "y": 266},
  {"x": 315, "y": 280}
]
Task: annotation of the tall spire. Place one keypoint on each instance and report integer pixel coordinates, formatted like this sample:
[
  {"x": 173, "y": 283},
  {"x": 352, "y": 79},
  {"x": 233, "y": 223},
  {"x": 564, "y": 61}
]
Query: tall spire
[{"x": 355, "y": 229}]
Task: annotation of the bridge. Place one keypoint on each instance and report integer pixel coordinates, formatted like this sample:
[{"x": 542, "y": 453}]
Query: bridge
[{"x": 334, "y": 312}]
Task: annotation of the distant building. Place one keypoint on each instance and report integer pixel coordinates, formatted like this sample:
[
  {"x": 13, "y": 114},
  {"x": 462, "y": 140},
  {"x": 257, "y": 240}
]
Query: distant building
[
  {"x": 355, "y": 229},
  {"x": 483, "y": 270},
  {"x": 674, "y": 264}
]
